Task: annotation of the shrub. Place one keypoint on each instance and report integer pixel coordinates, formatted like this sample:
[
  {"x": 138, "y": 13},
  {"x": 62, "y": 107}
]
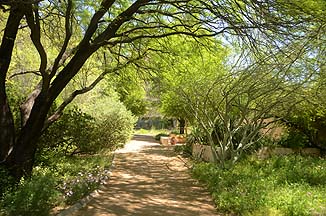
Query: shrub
[
  {"x": 307, "y": 126},
  {"x": 185, "y": 150},
  {"x": 158, "y": 136},
  {"x": 294, "y": 139},
  {"x": 77, "y": 186},
  {"x": 35, "y": 196},
  {"x": 5, "y": 181},
  {"x": 197, "y": 136},
  {"x": 78, "y": 175},
  {"x": 73, "y": 129},
  {"x": 112, "y": 131},
  {"x": 79, "y": 132},
  {"x": 64, "y": 180}
]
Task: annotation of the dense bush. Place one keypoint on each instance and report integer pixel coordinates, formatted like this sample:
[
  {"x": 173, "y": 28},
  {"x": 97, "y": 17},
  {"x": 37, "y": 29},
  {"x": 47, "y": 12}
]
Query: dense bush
[
  {"x": 35, "y": 196},
  {"x": 78, "y": 132},
  {"x": 61, "y": 175},
  {"x": 78, "y": 176},
  {"x": 294, "y": 139},
  {"x": 307, "y": 127},
  {"x": 5, "y": 181},
  {"x": 72, "y": 131},
  {"x": 278, "y": 186},
  {"x": 197, "y": 136},
  {"x": 112, "y": 131}
]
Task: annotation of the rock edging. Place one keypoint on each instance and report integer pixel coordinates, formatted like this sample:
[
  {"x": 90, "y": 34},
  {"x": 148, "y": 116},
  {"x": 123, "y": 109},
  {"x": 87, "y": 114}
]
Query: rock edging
[{"x": 205, "y": 153}]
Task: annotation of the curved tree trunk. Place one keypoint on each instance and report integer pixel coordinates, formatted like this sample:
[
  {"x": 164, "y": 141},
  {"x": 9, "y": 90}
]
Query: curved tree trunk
[
  {"x": 7, "y": 128},
  {"x": 34, "y": 112},
  {"x": 21, "y": 160}
]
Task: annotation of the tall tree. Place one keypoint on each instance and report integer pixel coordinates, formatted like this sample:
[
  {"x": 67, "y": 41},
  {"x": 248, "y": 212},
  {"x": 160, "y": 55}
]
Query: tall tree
[
  {"x": 184, "y": 64},
  {"x": 123, "y": 29}
]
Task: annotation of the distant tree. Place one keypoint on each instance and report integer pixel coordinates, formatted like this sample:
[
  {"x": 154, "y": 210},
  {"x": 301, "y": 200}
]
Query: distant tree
[
  {"x": 185, "y": 62},
  {"x": 130, "y": 87}
]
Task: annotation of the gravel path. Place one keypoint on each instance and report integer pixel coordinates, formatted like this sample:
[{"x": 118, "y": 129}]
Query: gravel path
[{"x": 149, "y": 180}]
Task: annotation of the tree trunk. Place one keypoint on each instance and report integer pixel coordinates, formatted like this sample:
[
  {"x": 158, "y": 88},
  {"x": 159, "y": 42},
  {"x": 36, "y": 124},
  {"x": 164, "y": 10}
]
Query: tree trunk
[
  {"x": 7, "y": 128},
  {"x": 34, "y": 112},
  {"x": 18, "y": 154},
  {"x": 182, "y": 125},
  {"x": 21, "y": 160}
]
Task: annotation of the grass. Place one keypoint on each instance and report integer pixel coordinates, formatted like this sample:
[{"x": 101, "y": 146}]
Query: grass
[
  {"x": 57, "y": 181},
  {"x": 152, "y": 131},
  {"x": 292, "y": 185}
]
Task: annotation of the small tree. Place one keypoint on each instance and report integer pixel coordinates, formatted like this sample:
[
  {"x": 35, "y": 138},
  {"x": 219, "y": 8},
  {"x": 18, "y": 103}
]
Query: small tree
[{"x": 233, "y": 110}]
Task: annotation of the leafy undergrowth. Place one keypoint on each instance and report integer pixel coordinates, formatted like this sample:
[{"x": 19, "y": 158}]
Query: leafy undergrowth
[
  {"x": 62, "y": 181},
  {"x": 292, "y": 185}
]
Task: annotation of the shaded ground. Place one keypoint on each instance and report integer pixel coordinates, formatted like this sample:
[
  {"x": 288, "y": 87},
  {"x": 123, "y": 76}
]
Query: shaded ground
[{"x": 148, "y": 180}]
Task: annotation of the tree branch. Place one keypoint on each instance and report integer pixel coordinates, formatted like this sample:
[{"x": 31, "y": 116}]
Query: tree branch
[
  {"x": 123, "y": 17},
  {"x": 56, "y": 115},
  {"x": 68, "y": 29},
  {"x": 33, "y": 21},
  {"x": 25, "y": 72}
]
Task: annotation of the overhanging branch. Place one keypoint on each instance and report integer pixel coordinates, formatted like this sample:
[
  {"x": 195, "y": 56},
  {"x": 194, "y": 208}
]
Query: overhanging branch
[{"x": 56, "y": 115}]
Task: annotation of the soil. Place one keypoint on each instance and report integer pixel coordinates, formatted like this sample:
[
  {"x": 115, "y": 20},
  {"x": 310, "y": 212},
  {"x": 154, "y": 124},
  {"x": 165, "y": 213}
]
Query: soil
[{"x": 149, "y": 179}]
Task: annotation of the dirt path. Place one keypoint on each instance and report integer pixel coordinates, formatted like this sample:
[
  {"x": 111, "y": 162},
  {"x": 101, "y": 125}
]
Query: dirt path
[{"x": 149, "y": 180}]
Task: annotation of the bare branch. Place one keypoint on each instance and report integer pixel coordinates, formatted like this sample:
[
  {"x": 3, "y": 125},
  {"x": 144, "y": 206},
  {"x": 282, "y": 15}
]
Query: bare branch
[
  {"x": 25, "y": 72},
  {"x": 113, "y": 27}
]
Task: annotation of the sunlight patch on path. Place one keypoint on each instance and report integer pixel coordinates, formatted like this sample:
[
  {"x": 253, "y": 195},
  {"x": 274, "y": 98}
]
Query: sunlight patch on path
[{"x": 149, "y": 180}]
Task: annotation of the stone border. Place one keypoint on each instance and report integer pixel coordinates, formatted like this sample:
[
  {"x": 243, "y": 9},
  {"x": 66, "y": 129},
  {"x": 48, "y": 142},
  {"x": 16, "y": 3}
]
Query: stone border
[
  {"x": 84, "y": 201},
  {"x": 204, "y": 152}
]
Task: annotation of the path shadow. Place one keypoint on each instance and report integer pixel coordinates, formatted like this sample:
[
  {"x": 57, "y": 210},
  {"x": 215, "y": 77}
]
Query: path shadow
[{"x": 150, "y": 182}]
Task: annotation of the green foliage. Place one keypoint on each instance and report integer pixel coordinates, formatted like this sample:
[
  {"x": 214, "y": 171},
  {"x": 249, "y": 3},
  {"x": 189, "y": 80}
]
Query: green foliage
[
  {"x": 60, "y": 180},
  {"x": 306, "y": 127},
  {"x": 152, "y": 131},
  {"x": 154, "y": 124},
  {"x": 188, "y": 68},
  {"x": 16, "y": 98},
  {"x": 72, "y": 131},
  {"x": 5, "y": 181},
  {"x": 308, "y": 118},
  {"x": 197, "y": 136},
  {"x": 35, "y": 196},
  {"x": 79, "y": 176},
  {"x": 158, "y": 136},
  {"x": 78, "y": 132},
  {"x": 114, "y": 130},
  {"x": 294, "y": 139},
  {"x": 278, "y": 186},
  {"x": 130, "y": 88},
  {"x": 185, "y": 150}
]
